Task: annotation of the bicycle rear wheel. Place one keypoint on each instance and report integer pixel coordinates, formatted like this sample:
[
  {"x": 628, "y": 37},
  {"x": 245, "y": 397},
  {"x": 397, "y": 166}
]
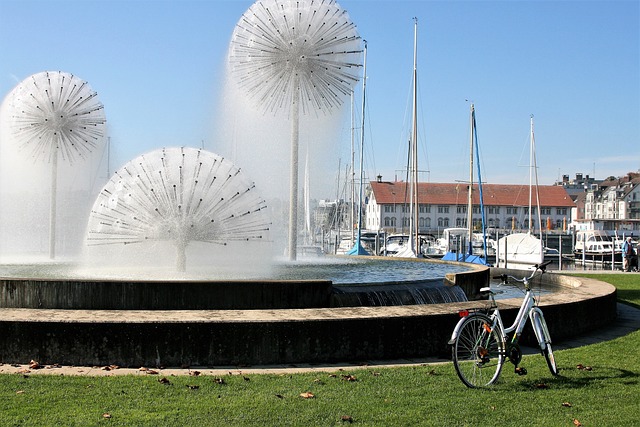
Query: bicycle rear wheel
[
  {"x": 478, "y": 351},
  {"x": 544, "y": 340}
]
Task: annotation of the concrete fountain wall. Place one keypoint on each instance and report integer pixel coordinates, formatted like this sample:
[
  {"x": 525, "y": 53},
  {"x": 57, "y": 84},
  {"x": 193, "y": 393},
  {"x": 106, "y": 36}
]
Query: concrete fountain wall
[{"x": 215, "y": 337}]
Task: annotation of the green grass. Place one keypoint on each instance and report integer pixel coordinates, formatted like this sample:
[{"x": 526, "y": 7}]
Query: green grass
[{"x": 606, "y": 394}]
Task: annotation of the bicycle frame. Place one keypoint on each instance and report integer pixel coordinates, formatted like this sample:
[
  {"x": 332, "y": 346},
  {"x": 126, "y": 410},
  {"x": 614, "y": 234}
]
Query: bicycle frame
[{"x": 526, "y": 308}]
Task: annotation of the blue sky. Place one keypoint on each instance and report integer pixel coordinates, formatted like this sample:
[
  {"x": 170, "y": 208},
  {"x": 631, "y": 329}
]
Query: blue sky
[{"x": 159, "y": 69}]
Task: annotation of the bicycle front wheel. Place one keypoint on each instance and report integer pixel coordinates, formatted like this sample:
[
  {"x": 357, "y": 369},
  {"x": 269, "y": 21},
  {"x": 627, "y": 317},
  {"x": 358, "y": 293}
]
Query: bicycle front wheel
[
  {"x": 478, "y": 351},
  {"x": 544, "y": 340}
]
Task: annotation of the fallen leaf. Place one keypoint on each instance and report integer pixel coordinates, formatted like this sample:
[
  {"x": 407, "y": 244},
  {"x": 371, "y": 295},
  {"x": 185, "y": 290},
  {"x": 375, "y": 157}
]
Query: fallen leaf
[
  {"x": 246, "y": 378},
  {"x": 566, "y": 404},
  {"x": 279, "y": 396},
  {"x": 318, "y": 381},
  {"x": 34, "y": 365},
  {"x": 194, "y": 373},
  {"x": 332, "y": 375},
  {"x": 193, "y": 387},
  {"x": 349, "y": 378},
  {"x": 347, "y": 418},
  {"x": 576, "y": 423},
  {"x": 376, "y": 374},
  {"x": 219, "y": 381},
  {"x": 20, "y": 392},
  {"x": 307, "y": 395},
  {"x": 106, "y": 415},
  {"x": 432, "y": 372},
  {"x": 151, "y": 372},
  {"x": 542, "y": 386},
  {"x": 164, "y": 380}
]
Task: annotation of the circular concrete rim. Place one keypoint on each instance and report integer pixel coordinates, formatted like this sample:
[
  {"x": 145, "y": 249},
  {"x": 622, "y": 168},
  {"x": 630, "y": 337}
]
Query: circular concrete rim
[
  {"x": 574, "y": 289},
  {"x": 365, "y": 333}
]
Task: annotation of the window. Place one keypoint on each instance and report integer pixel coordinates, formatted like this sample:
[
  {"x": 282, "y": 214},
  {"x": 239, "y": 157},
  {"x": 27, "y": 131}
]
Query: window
[
  {"x": 389, "y": 208},
  {"x": 461, "y": 209},
  {"x": 443, "y": 209},
  {"x": 446, "y": 220},
  {"x": 561, "y": 211},
  {"x": 545, "y": 211},
  {"x": 440, "y": 222},
  {"x": 387, "y": 221},
  {"x": 512, "y": 211},
  {"x": 424, "y": 208}
]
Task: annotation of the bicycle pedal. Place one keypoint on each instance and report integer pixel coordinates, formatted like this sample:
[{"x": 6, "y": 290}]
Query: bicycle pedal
[{"x": 521, "y": 371}]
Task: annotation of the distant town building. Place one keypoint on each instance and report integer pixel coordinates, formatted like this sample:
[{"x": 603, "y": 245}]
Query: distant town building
[
  {"x": 612, "y": 205},
  {"x": 444, "y": 205}
]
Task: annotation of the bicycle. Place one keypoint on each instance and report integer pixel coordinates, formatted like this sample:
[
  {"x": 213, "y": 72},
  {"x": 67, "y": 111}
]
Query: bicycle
[{"x": 480, "y": 344}]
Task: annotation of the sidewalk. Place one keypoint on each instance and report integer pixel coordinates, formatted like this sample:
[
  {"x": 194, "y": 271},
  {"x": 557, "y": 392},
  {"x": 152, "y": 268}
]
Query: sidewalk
[{"x": 628, "y": 321}]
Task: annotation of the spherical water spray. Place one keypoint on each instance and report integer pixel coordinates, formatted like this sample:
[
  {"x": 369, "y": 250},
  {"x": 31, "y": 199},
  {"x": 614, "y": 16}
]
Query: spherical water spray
[
  {"x": 56, "y": 114},
  {"x": 179, "y": 195},
  {"x": 289, "y": 54}
]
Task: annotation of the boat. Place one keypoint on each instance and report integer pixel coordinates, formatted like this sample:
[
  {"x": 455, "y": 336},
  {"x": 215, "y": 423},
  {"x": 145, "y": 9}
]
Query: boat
[
  {"x": 524, "y": 250},
  {"x": 397, "y": 243},
  {"x": 476, "y": 245},
  {"x": 454, "y": 241},
  {"x": 412, "y": 249},
  {"x": 596, "y": 246}
]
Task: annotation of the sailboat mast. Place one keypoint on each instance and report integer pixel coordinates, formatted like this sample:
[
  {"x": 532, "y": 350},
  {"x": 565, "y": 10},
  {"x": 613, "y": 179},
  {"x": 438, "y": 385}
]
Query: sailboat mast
[
  {"x": 353, "y": 172},
  {"x": 470, "y": 200},
  {"x": 413, "y": 224},
  {"x": 530, "y": 172},
  {"x": 364, "y": 92},
  {"x": 535, "y": 171}
]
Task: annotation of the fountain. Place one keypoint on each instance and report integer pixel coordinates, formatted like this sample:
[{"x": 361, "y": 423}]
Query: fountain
[
  {"x": 56, "y": 114},
  {"x": 181, "y": 195},
  {"x": 198, "y": 209},
  {"x": 292, "y": 54}
]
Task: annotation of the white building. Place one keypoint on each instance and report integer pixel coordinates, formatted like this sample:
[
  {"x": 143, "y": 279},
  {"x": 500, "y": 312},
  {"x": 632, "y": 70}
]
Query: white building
[{"x": 444, "y": 205}]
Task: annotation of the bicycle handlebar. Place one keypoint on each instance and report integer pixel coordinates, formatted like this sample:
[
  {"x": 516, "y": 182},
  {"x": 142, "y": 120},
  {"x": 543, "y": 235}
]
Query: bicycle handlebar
[{"x": 542, "y": 267}]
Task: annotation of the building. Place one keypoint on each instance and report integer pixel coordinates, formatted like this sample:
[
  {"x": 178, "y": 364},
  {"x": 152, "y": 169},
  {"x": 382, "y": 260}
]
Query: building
[
  {"x": 444, "y": 205},
  {"x": 612, "y": 205}
]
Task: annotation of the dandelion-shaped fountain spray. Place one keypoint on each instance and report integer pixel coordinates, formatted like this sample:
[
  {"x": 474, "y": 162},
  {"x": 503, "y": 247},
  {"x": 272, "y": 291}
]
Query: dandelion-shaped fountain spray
[
  {"x": 291, "y": 53},
  {"x": 179, "y": 195},
  {"x": 56, "y": 114}
]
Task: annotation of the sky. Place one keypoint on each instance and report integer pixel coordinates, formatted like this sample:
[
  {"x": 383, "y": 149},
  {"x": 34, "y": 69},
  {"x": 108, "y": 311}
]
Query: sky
[{"x": 159, "y": 68}]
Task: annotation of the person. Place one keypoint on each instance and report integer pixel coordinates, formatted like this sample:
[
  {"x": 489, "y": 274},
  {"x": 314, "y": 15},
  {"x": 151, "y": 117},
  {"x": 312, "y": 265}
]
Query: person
[{"x": 628, "y": 253}]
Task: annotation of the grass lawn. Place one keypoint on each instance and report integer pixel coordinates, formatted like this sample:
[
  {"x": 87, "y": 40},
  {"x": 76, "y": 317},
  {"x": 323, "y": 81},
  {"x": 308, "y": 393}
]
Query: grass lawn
[{"x": 602, "y": 392}]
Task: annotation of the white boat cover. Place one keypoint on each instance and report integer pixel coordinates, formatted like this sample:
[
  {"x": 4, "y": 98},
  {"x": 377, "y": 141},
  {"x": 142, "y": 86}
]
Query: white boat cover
[{"x": 521, "y": 248}]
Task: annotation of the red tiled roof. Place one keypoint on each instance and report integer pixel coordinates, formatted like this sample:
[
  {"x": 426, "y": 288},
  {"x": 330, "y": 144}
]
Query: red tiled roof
[{"x": 456, "y": 194}]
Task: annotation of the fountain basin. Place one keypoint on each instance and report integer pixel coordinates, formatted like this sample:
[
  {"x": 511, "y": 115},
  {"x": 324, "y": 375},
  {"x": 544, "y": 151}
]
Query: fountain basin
[{"x": 134, "y": 338}]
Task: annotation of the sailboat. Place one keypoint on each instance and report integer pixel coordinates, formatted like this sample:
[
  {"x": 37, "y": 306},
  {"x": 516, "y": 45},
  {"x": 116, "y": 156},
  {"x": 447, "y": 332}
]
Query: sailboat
[
  {"x": 412, "y": 248},
  {"x": 524, "y": 250},
  {"x": 468, "y": 254},
  {"x": 358, "y": 249}
]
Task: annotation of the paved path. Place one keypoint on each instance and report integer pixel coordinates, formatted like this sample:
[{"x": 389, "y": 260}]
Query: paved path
[{"x": 628, "y": 321}]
